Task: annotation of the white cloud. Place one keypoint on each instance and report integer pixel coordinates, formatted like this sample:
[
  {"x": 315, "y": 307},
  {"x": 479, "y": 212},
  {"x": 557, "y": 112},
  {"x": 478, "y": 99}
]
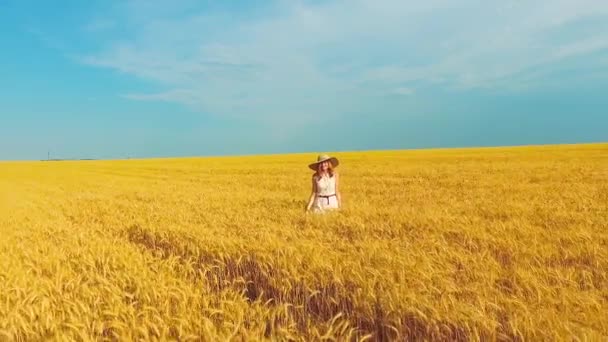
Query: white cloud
[
  {"x": 582, "y": 47},
  {"x": 304, "y": 62},
  {"x": 403, "y": 91}
]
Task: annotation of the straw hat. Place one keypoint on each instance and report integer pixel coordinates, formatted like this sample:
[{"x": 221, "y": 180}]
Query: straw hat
[{"x": 324, "y": 157}]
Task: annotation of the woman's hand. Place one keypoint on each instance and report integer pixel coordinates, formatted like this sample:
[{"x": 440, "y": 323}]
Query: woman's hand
[
  {"x": 313, "y": 195},
  {"x": 338, "y": 196}
]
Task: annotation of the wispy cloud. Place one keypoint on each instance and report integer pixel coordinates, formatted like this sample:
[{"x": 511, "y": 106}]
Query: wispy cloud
[
  {"x": 99, "y": 25},
  {"x": 47, "y": 40},
  {"x": 582, "y": 47},
  {"x": 403, "y": 91},
  {"x": 303, "y": 62}
]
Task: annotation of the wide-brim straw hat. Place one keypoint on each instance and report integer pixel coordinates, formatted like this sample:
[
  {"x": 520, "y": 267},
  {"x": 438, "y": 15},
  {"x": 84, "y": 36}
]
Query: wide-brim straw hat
[{"x": 322, "y": 158}]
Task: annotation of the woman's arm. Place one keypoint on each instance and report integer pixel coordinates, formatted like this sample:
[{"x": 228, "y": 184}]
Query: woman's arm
[
  {"x": 313, "y": 194},
  {"x": 338, "y": 197}
]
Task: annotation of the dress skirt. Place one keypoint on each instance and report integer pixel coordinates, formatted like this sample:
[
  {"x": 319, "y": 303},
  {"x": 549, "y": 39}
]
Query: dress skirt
[{"x": 322, "y": 204}]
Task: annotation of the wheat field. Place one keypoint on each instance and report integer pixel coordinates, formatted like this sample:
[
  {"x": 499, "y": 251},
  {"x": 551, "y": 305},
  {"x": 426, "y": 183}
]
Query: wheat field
[{"x": 485, "y": 244}]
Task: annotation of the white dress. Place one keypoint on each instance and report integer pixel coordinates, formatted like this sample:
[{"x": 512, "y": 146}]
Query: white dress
[{"x": 326, "y": 194}]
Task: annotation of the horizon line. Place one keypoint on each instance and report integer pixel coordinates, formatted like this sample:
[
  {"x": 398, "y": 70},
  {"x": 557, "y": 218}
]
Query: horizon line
[{"x": 469, "y": 147}]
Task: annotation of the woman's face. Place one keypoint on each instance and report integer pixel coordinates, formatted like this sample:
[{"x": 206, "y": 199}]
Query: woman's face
[{"x": 324, "y": 166}]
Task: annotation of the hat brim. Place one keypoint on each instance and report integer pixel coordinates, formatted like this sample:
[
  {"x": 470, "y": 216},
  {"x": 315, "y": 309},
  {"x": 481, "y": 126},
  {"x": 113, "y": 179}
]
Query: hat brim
[{"x": 334, "y": 163}]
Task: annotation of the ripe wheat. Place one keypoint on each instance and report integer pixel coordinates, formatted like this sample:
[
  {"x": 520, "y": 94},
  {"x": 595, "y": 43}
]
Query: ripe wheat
[{"x": 463, "y": 244}]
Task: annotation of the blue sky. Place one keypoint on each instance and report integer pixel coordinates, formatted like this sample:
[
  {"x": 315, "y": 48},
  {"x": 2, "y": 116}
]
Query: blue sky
[{"x": 135, "y": 78}]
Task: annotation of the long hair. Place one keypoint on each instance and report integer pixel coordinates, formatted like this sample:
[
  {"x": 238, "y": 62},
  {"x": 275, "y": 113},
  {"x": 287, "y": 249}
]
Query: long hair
[{"x": 330, "y": 170}]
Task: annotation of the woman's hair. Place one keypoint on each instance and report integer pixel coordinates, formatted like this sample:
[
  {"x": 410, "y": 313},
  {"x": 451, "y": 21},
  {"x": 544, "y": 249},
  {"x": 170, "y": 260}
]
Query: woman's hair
[{"x": 330, "y": 170}]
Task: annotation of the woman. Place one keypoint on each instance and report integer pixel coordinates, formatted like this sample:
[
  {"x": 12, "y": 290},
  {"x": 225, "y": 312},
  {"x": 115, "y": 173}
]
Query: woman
[{"x": 325, "y": 194}]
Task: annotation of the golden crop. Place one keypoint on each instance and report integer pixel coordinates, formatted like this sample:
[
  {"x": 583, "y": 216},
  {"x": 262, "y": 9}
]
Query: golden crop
[{"x": 461, "y": 244}]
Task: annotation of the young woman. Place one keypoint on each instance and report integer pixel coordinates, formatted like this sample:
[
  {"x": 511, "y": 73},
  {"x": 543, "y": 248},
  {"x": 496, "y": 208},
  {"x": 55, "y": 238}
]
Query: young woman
[{"x": 325, "y": 194}]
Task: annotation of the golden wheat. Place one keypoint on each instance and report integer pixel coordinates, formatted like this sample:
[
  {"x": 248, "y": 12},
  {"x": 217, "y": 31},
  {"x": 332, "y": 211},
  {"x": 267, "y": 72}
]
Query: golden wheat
[{"x": 462, "y": 244}]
